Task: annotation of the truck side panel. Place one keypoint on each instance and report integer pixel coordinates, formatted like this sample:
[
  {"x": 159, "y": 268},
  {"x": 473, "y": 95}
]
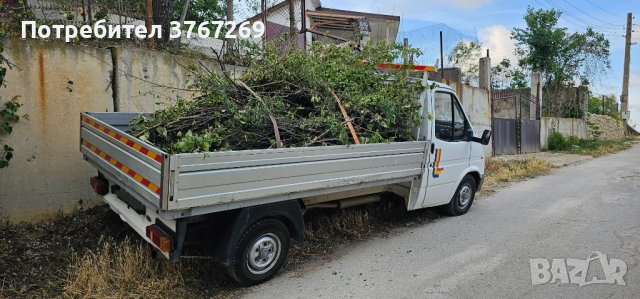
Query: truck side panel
[{"x": 219, "y": 178}]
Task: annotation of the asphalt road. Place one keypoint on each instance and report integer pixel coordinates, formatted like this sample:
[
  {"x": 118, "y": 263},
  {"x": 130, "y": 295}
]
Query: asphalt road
[{"x": 569, "y": 214}]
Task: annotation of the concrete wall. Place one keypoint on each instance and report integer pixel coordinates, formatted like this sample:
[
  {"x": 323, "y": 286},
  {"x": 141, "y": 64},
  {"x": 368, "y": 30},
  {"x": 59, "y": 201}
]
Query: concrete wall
[
  {"x": 47, "y": 172},
  {"x": 477, "y": 104},
  {"x": 600, "y": 127},
  {"x": 55, "y": 82},
  {"x": 565, "y": 126},
  {"x": 451, "y": 74}
]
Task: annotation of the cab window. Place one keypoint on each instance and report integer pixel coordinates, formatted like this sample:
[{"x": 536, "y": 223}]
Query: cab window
[{"x": 450, "y": 124}]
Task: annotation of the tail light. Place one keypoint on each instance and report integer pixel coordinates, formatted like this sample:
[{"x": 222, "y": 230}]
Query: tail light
[
  {"x": 158, "y": 237},
  {"x": 100, "y": 185}
]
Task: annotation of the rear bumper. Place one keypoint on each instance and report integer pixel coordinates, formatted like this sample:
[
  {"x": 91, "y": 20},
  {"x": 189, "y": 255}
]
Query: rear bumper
[{"x": 136, "y": 221}]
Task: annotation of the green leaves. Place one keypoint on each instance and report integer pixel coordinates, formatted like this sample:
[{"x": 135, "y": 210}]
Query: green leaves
[
  {"x": 8, "y": 116},
  {"x": 293, "y": 86},
  {"x": 558, "y": 55},
  {"x": 193, "y": 143}
]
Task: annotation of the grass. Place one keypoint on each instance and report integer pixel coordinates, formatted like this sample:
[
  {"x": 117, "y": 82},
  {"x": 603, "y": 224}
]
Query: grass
[
  {"x": 597, "y": 148},
  {"x": 499, "y": 170},
  {"x": 119, "y": 270},
  {"x": 594, "y": 148},
  {"x": 92, "y": 254}
]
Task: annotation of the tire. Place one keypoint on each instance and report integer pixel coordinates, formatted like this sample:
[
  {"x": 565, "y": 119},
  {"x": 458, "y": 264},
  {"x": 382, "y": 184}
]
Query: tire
[
  {"x": 260, "y": 252},
  {"x": 463, "y": 198}
]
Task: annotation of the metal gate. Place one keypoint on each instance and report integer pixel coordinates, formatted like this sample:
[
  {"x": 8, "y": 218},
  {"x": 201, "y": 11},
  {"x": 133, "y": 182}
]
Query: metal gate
[
  {"x": 514, "y": 130},
  {"x": 504, "y": 136},
  {"x": 529, "y": 136}
]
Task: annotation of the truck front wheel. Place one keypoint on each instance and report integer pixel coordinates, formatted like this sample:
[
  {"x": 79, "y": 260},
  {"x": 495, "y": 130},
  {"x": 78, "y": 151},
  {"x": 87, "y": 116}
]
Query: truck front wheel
[
  {"x": 260, "y": 252},
  {"x": 463, "y": 198}
]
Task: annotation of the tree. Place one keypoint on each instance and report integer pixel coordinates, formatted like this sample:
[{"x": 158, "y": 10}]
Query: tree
[
  {"x": 506, "y": 75},
  {"x": 560, "y": 56},
  {"x": 466, "y": 56},
  {"x": 200, "y": 10},
  {"x": 610, "y": 106},
  {"x": 163, "y": 15}
]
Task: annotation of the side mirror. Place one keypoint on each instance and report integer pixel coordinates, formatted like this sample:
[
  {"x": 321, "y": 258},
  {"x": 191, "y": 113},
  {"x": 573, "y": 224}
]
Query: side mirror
[
  {"x": 486, "y": 137},
  {"x": 469, "y": 134}
]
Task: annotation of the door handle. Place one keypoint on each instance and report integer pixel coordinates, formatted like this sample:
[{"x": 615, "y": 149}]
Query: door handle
[{"x": 433, "y": 147}]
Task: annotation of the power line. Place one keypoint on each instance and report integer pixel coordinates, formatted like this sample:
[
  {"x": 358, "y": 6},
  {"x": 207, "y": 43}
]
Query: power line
[
  {"x": 588, "y": 15},
  {"x": 609, "y": 33},
  {"x": 601, "y": 27},
  {"x": 613, "y": 14}
]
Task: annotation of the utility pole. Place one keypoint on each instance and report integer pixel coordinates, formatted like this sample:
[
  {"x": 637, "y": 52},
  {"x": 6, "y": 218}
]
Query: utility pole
[
  {"x": 441, "y": 59},
  {"x": 148, "y": 7},
  {"x": 624, "y": 99}
]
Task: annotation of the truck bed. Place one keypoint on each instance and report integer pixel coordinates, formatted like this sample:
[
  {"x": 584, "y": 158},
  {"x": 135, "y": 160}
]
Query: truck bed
[{"x": 188, "y": 184}]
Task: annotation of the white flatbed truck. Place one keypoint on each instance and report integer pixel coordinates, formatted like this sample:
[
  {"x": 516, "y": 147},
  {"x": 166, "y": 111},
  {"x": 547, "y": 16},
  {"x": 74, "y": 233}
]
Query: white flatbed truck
[{"x": 242, "y": 208}]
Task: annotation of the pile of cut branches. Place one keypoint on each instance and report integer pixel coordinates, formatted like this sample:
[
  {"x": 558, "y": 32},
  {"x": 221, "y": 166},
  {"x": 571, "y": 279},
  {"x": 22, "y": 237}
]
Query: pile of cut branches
[{"x": 292, "y": 98}]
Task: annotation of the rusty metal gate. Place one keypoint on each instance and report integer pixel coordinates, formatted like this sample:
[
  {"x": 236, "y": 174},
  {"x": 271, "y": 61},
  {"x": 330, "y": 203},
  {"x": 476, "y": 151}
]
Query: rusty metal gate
[
  {"x": 514, "y": 129},
  {"x": 529, "y": 136}
]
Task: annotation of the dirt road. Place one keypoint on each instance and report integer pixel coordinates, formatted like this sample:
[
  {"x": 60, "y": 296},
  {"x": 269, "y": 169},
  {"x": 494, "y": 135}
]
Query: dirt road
[{"x": 570, "y": 214}]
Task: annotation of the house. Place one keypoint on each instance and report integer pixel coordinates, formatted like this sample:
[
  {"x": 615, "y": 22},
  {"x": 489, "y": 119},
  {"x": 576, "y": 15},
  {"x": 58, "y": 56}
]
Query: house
[{"x": 329, "y": 25}]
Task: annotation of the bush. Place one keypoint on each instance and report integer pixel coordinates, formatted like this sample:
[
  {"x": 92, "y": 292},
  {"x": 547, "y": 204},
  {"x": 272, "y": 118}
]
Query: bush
[
  {"x": 595, "y": 148},
  {"x": 557, "y": 142}
]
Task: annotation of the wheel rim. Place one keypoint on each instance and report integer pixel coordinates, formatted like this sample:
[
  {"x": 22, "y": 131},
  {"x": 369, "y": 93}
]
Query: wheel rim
[
  {"x": 263, "y": 254},
  {"x": 464, "y": 196}
]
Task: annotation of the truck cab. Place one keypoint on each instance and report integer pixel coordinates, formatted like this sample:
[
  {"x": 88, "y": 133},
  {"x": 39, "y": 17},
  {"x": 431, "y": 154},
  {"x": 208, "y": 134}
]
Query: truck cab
[{"x": 454, "y": 151}]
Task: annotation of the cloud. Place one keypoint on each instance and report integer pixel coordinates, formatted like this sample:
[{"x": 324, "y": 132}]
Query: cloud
[
  {"x": 497, "y": 38},
  {"x": 414, "y": 9}
]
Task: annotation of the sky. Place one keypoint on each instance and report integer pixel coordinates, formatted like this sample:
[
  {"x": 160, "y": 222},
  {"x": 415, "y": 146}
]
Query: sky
[{"x": 492, "y": 21}]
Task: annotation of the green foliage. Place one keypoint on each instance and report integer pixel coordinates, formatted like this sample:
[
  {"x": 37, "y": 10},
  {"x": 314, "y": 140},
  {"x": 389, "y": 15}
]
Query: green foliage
[
  {"x": 560, "y": 56},
  {"x": 595, "y": 148},
  {"x": 609, "y": 108},
  {"x": 506, "y": 75},
  {"x": 12, "y": 15},
  {"x": 9, "y": 112},
  {"x": 558, "y": 142},
  {"x": 294, "y": 87},
  {"x": 466, "y": 56},
  {"x": 8, "y": 117},
  {"x": 200, "y": 10}
]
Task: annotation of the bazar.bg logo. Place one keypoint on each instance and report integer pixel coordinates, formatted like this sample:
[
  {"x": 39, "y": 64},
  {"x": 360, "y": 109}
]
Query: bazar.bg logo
[{"x": 543, "y": 271}]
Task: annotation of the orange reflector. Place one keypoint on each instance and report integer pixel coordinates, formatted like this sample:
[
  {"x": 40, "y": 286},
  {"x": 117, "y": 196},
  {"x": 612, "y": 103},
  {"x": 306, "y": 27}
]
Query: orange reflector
[
  {"x": 159, "y": 238},
  {"x": 165, "y": 244}
]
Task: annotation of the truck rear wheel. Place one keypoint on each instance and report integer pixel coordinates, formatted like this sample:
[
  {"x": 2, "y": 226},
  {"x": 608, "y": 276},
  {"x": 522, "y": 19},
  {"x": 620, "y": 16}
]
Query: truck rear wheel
[
  {"x": 260, "y": 252},
  {"x": 463, "y": 198}
]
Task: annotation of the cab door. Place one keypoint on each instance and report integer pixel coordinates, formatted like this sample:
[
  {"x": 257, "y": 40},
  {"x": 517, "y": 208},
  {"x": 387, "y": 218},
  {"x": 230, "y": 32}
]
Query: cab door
[{"x": 450, "y": 150}]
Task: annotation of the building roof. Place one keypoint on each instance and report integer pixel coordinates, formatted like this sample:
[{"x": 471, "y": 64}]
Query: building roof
[{"x": 358, "y": 13}]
